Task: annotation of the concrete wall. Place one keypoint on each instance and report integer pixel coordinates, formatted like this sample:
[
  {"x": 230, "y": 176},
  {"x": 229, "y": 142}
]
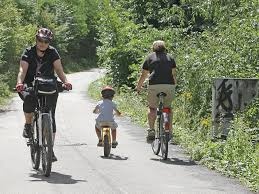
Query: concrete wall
[{"x": 228, "y": 97}]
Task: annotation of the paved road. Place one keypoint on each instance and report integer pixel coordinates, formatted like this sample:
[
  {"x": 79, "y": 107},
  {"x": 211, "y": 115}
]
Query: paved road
[{"x": 81, "y": 168}]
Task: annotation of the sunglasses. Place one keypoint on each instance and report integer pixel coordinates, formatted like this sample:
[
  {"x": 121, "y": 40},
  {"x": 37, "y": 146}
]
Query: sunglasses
[{"x": 43, "y": 40}]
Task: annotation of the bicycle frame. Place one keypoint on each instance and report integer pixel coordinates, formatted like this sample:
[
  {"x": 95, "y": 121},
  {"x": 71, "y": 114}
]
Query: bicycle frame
[{"x": 106, "y": 131}]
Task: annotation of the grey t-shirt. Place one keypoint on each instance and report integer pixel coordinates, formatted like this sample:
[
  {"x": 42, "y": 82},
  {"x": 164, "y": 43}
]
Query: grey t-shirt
[{"x": 106, "y": 108}]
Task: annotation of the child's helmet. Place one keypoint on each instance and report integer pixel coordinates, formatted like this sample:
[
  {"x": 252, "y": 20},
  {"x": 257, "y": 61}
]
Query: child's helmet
[{"x": 107, "y": 92}]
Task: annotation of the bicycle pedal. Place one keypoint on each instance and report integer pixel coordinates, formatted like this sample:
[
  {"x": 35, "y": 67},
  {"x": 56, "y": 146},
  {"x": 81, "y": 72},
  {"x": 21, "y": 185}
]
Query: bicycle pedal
[{"x": 29, "y": 143}]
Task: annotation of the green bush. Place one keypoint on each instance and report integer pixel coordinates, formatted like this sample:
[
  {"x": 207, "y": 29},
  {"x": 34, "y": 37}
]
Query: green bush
[{"x": 4, "y": 92}]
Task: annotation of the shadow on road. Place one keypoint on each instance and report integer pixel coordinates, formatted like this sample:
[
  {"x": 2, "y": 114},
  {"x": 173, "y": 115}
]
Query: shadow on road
[
  {"x": 5, "y": 111},
  {"x": 176, "y": 161},
  {"x": 55, "y": 178},
  {"x": 115, "y": 157},
  {"x": 72, "y": 144}
]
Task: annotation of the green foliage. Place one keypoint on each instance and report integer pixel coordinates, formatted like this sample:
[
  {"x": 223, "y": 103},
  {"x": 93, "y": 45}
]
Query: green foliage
[
  {"x": 251, "y": 114},
  {"x": 238, "y": 156},
  {"x": 161, "y": 13},
  {"x": 94, "y": 89},
  {"x": 3, "y": 42},
  {"x": 4, "y": 92},
  {"x": 114, "y": 34},
  {"x": 10, "y": 19}
]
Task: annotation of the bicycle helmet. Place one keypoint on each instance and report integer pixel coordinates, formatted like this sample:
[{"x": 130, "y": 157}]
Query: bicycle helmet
[
  {"x": 107, "y": 92},
  {"x": 45, "y": 33}
]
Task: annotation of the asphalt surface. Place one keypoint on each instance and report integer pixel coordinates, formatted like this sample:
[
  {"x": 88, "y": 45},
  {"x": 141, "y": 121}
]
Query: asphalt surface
[{"x": 81, "y": 167}]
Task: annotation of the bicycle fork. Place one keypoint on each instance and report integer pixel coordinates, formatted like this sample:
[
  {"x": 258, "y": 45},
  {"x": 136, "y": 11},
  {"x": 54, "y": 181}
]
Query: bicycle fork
[{"x": 106, "y": 131}]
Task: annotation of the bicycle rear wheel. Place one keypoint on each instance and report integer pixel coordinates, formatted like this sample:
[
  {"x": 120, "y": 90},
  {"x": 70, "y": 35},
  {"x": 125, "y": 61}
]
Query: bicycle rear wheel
[
  {"x": 156, "y": 144},
  {"x": 34, "y": 146},
  {"x": 164, "y": 142},
  {"x": 106, "y": 146},
  {"x": 47, "y": 144}
]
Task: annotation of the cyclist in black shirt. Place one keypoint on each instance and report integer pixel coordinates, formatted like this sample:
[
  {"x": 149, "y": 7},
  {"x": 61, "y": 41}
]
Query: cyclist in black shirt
[
  {"x": 43, "y": 60},
  {"x": 160, "y": 67}
]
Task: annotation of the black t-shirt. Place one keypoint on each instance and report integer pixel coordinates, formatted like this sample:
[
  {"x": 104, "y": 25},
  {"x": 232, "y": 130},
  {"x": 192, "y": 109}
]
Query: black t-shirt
[
  {"x": 45, "y": 63},
  {"x": 160, "y": 67}
]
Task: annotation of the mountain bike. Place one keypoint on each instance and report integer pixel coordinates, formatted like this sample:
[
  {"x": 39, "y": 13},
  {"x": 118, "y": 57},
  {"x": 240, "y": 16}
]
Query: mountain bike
[
  {"x": 162, "y": 132},
  {"x": 41, "y": 136}
]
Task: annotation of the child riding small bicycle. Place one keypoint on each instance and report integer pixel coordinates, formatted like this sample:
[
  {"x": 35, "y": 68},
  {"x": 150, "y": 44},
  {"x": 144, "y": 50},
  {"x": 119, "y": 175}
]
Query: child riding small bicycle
[{"x": 105, "y": 109}]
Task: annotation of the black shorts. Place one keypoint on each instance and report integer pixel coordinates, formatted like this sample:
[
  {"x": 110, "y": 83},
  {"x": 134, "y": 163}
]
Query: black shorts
[{"x": 30, "y": 103}]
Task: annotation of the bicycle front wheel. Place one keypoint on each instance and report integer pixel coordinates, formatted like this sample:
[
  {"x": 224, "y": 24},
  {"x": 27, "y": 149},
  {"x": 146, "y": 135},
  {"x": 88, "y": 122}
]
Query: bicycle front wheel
[
  {"x": 156, "y": 144},
  {"x": 106, "y": 146},
  {"x": 34, "y": 146},
  {"x": 47, "y": 144}
]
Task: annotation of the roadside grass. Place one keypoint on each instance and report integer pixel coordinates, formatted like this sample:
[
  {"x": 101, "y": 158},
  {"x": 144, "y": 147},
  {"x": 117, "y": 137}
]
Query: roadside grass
[
  {"x": 4, "y": 93},
  {"x": 236, "y": 157},
  {"x": 3, "y": 100}
]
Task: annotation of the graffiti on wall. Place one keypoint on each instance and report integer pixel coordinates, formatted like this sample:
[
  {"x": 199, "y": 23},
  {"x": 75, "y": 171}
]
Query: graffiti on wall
[{"x": 228, "y": 97}]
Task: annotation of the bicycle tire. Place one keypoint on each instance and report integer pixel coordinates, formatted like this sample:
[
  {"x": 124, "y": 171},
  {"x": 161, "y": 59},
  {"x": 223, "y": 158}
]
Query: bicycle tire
[
  {"x": 47, "y": 145},
  {"x": 156, "y": 144},
  {"x": 34, "y": 146},
  {"x": 164, "y": 147},
  {"x": 106, "y": 146},
  {"x": 164, "y": 142}
]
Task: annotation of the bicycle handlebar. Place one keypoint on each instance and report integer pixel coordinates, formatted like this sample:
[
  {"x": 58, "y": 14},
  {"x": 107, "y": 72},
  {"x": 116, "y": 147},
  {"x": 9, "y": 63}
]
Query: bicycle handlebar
[
  {"x": 60, "y": 88},
  {"x": 26, "y": 89}
]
